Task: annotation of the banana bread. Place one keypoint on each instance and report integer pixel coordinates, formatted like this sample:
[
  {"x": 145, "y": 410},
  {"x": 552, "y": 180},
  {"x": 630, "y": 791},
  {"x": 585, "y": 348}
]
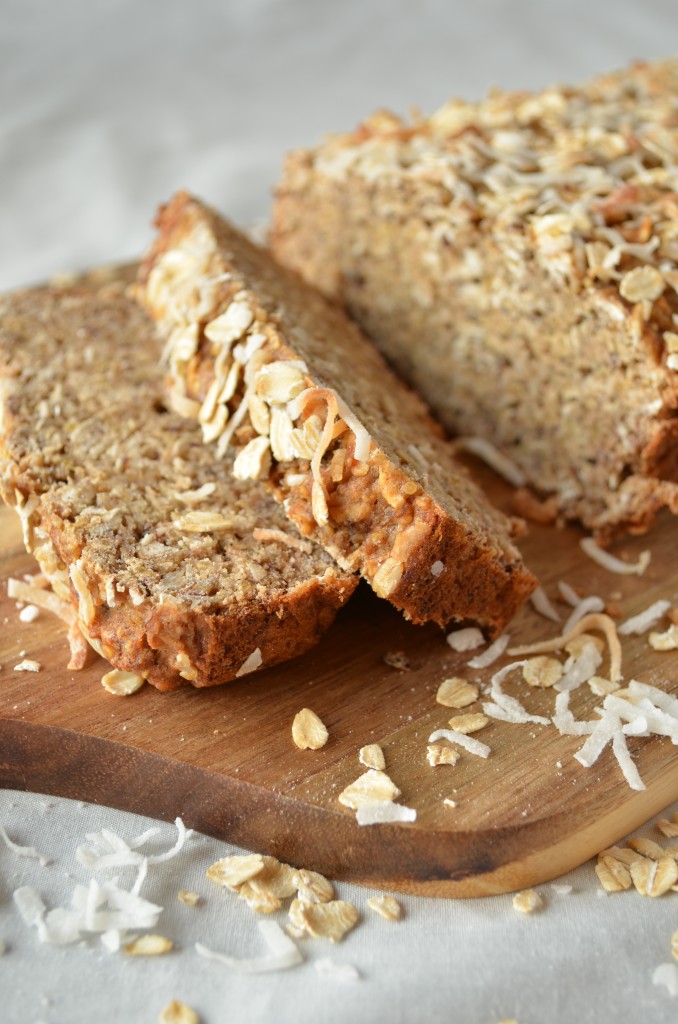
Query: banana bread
[
  {"x": 515, "y": 259},
  {"x": 268, "y": 365},
  {"x": 178, "y": 571}
]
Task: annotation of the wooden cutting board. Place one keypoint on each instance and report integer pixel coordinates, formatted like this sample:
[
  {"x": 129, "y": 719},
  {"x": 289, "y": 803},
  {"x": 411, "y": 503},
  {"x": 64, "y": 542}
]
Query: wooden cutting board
[{"x": 224, "y": 760}]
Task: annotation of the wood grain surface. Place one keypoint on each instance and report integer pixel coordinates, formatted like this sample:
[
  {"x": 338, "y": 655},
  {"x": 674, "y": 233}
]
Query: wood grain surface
[{"x": 224, "y": 760}]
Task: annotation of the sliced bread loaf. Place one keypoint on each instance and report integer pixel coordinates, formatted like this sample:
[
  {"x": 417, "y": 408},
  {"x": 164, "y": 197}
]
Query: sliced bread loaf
[
  {"x": 274, "y": 370},
  {"x": 517, "y": 261},
  {"x": 177, "y": 570}
]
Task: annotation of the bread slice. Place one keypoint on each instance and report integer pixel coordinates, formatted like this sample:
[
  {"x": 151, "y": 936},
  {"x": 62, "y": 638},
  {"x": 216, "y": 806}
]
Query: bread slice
[
  {"x": 267, "y": 364},
  {"x": 516, "y": 260},
  {"x": 178, "y": 571}
]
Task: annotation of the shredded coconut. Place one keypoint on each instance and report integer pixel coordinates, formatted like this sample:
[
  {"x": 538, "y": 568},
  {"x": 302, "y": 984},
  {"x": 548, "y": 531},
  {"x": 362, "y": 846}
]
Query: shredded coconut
[
  {"x": 283, "y": 953},
  {"x": 467, "y": 742},
  {"x": 666, "y": 974},
  {"x": 492, "y": 654},
  {"x": 505, "y": 708},
  {"x": 337, "y": 968},
  {"x": 593, "y": 621},
  {"x": 28, "y": 665},
  {"x": 542, "y": 605},
  {"x": 384, "y": 812},
  {"x": 611, "y": 562},
  {"x": 23, "y": 851},
  {"x": 465, "y": 639},
  {"x": 494, "y": 458},
  {"x": 568, "y": 594},
  {"x": 580, "y": 669},
  {"x": 645, "y": 620},
  {"x": 584, "y": 607}
]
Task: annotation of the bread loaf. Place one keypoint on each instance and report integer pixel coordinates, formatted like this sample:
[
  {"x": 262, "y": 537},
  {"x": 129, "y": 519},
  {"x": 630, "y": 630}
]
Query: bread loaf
[{"x": 516, "y": 261}]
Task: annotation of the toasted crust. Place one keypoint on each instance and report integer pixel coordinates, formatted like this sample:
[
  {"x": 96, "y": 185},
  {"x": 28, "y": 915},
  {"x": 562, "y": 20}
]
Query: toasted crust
[
  {"x": 350, "y": 452},
  {"x": 516, "y": 260},
  {"x": 130, "y": 515}
]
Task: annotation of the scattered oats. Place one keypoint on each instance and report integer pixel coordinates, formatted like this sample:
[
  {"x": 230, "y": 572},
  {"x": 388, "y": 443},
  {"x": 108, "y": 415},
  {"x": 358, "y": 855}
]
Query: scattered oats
[
  {"x": 274, "y": 883},
  {"x": 437, "y": 568},
  {"x": 27, "y": 665},
  {"x": 654, "y": 878},
  {"x": 601, "y": 686},
  {"x": 338, "y": 968},
  {"x": 384, "y": 812},
  {"x": 468, "y": 723},
  {"x": 620, "y": 853},
  {"x": 281, "y": 537},
  {"x": 373, "y": 786},
  {"x": 456, "y": 693},
  {"x": 492, "y": 654},
  {"x": 613, "y": 564},
  {"x": 372, "y": 756},
  {"x": 542, "y": 671},
  {"x": 640, "y": 623},
  {"x": 397, "y": 659},
  {"x": 576, "y": 646},
  {"x": 148, "y": 945},
  {"x": 612, "y": 874},
  {"x": 667, "y": 641},
  {"x": 465, "y": 639},
  {"x": 121, "y": 683},
  {"x": 324, "y": 920},
  {"x": 644, "y": 282},
  {"x": 313, "y": 887},
  {"x": 437, "y": 754},
  {"x": 667, "y": 828},
  {"x": 254, "y": 460},
  {"x": 528, "y": 901},
  {"x": 178, "y": 1013},
  {"x": 386, "y": 906},
  {"x": 308, "y": 731},
  {"x": 191, "y": 899},
  {"x": 202, "y": 522},
  {"x": 29, "y": 613},
  {"x": 646, "y": 848},
  {"x": 232, "y": 872}
]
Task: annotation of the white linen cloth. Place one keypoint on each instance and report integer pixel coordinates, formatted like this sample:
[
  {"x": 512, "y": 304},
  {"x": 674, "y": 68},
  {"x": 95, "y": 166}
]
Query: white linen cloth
[{"x": 106, "y": 108}]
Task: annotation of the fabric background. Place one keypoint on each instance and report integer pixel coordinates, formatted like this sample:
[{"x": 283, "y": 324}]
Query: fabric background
[{"x": 107, "y": 107}]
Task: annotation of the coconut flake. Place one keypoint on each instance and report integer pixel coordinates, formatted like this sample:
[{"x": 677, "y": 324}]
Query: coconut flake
[
  {"x": 23, "y": 851},
  {"x": 492, "y": 654},
  {"x": 437, "y": 568},
  {"x": 625, "y": 761},
  {"x": 584, "y": 607},
  {"x": 568, "y": 594},
  {"x": 337, "y": 968},
  {"x": 250, "y": 664},
  {"x": 579, "y": 669},
  {"x": 611, "y": 562},
  {"x": 564, "y": 720},
  {"x": 384, "y": 812},
  {"x": 542, "y": 605},
  {"x": 32, "y": 909},
  {"x": 645, "y": 620},
  {"x": 494, "y": 458},
  {"x": 666, "y": 701},
  {"x": 505, "y": 708},
  {"x": 466, "y": 639},
  {"x": 666, "y": 974},
  {"x": 467, "y": 742},
  {"x": 283, "y": 953},
  {"x": 363, "y": 441}
]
